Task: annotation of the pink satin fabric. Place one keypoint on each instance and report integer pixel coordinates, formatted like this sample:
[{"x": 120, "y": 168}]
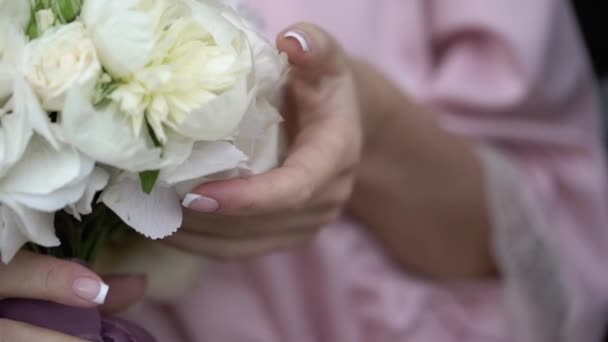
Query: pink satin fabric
[{"x": 512, "y": 75}]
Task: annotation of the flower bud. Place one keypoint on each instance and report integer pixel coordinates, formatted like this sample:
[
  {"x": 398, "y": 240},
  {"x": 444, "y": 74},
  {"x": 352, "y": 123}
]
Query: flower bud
[{"x": 45, "y": 19}]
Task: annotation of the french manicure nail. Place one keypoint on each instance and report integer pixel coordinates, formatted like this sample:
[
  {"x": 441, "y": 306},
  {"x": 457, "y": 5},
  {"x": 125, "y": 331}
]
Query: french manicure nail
[
  {"x": 300, "y": 37},
  {"x": 91, "y": 289},
  {"x": 200, "y": 203}
]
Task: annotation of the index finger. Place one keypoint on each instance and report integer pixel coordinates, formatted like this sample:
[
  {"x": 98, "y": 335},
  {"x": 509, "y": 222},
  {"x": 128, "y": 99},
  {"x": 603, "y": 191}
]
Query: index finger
[
  {"x": 42, "y": 277},
  {"x": 310, "y": 164}
]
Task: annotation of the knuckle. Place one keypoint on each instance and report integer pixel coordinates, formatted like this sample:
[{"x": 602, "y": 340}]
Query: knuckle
[
  {"x": 247, "y": 203},
  {"x": 303, "y": 196},
  {"x": 302, "y": 189},
  {"x": 50, "y": 277}
]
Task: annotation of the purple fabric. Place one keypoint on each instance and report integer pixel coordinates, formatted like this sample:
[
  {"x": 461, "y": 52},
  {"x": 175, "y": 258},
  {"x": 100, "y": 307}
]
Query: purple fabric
[
  {"x": 85, "y": 323},
  {"x": 119, "y": 330}
]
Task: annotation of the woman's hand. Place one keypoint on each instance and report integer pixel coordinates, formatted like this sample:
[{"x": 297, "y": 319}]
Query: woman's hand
[
  {"x": 426, "y": 185},
  {"x": 35, "y": 276},
  {"x": 286, "y": 206}
]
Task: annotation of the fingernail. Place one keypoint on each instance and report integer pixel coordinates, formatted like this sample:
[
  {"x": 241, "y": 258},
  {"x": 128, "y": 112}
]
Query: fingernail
[
  {"x": 200, "y": 203},
  {"x": 300, "y": 37},
  {"x": 91, "y": 289}
]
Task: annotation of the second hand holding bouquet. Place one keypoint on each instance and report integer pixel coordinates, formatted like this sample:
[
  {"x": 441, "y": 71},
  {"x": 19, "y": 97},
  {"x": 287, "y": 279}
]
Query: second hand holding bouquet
[{"x": 111, "y": 111}]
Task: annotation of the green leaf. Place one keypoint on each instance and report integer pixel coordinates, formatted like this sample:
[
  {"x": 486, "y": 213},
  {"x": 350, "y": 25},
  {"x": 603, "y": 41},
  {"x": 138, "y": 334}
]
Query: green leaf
[
  {"x": 32, "y": 30},
  {"x": 103, "y": 89},
  {"x": 66, "y": 10},
  {"x": 148, "y": 180}
]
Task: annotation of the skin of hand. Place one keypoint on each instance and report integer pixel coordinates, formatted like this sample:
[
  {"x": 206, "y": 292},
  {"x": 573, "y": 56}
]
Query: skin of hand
[
  {"x": 35, "y": 276},
  {"x": 287, "y": 206},
  {"x": 418, "y": 188}
]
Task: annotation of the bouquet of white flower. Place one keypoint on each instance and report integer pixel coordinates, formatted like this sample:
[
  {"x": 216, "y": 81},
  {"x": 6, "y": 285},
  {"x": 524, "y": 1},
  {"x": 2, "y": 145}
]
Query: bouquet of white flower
[{"x": 111, "y": 111}]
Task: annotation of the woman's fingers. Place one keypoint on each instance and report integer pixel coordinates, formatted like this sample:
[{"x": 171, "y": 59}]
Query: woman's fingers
[
  {"x": 36, "y": 276},
  {"x": 229, "y": 249},
  {"x": 312, "y": 50},
  {"x": 11, "y": 331},
  {"x": 125, "y": 290}
]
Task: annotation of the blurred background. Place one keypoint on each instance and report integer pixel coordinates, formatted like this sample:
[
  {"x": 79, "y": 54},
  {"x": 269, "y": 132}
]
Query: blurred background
[{"x": 595, "y": 38}]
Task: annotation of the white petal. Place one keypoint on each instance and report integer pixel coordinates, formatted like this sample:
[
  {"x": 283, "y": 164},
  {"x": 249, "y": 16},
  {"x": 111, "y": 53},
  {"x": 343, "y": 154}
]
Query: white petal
[
  {"x": 6, "y": 82},
  {"x": 156, "y": 215},
  {"x": 123, "y": 33},
  {"x": 19, "y": 225},
  {"x": 43, "y": 170},
  {"x": 95, "y": 183},
  {"x": 176, "y": 151},
  {"x": 271, "y": 67},
  {"x": 19, "y": 11},
  {"x": 265, "y": 151},
  {"x": 208, "y": 15},
  {"x": 54, "y": 201},
  {"x": 11, "y": 237},
  {"x": 15, "y": 134},
  {"x": 106, "y": 136},
  {"x": 206, "y": 159},
  {"x": 260, "y": 117},
  {"x": 15, "y": 38},
  {"x": 219, "y": 118},
  {"x": 24, "y": 100}
]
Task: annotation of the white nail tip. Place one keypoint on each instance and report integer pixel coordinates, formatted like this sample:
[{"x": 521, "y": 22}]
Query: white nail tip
[
  {"x": 300, "y": 38},
  {"x": 102, "y": 295},
  {"x": 189, "y": 199}
]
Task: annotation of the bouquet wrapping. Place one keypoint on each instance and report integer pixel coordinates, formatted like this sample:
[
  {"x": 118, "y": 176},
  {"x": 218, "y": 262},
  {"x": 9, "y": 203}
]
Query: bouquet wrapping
[{"x": 111, "y": 111}]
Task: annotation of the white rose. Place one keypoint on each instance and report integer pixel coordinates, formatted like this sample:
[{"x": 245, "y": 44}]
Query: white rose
[{"x": 58, "y": 60}]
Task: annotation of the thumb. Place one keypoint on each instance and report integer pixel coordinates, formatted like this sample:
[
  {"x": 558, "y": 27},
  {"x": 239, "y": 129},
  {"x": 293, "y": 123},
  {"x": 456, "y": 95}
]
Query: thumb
[
  {"x": 36, "y": 276},
  {"x": 312, "y": 51}
]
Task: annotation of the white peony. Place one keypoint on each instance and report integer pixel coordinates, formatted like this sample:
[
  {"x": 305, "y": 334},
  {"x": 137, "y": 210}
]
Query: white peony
[
  {"x": 191, "y": 71},
  {"x": 204, "y": 81},
  {"x": 62, "y": 58}
]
